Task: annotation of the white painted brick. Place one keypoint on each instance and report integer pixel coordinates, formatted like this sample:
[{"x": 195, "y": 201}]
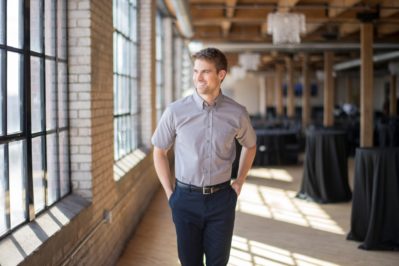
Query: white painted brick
[
  {"x": 82, "y": 96},
  {"x": 78, "y": 51},
  {"x": 84, "y": 5},
  {"x": 83, "y": 122},
  {"x": 84, "y": 23},
  {"x": 79, "y": 69},
  {"x": 84, "y": 59},
  {"x": 81, "y": 141},
  {"x": 84, "y": 78},
  {"x": 73, "y": 78},
  {"x": 83, "y": 132},
  {"x": 73, "y": 113},
  {"x": 82, "y": 158},
  {"x": 81, "y": 32},
  {"x": 79, "y": 87},
  {"x": 75, "y": 185},
  {"x": 79, "y": 14},
  {"x": 84, "y": 114},
  {"x": 84, "y": 185},
  {"x": 79, "y": 105},
  {"x": 72, "y": 5},
  {"x": 85, "y": 167}
]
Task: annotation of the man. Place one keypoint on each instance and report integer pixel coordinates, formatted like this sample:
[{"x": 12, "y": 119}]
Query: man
[{"x": 203, "y": 128}]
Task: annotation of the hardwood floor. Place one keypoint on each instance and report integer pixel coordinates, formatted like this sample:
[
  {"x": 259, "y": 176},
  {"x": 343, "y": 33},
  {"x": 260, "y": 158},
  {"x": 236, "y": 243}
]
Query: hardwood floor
[{"x": 272, "y": 228}]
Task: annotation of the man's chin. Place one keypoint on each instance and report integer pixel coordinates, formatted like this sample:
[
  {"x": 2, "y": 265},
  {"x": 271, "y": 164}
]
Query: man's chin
[{"x": 201, "y": 89}]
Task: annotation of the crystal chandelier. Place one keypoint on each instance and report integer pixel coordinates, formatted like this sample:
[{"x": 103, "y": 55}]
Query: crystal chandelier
[
  {"x": 286, "y": 27},
  {"x": 249, "y": 61}
]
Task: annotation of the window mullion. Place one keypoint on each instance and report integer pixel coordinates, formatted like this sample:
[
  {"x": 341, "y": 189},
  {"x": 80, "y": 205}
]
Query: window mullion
[
  {"x": 26, "y": 117},
  {"x": 56, "y": 81},
  {"x": 7, "y": 187},
  {"x": 6, "y": 159},
  {"x": 43, "y": 108}
]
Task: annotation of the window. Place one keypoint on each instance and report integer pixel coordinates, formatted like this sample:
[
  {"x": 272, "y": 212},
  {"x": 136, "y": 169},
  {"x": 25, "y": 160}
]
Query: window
[
  {"x": 186, "y": 70},
  {"x": 126, "y": 92},
  {"x": 34, "y": 153},
  {"x": 160, "y": 59}
]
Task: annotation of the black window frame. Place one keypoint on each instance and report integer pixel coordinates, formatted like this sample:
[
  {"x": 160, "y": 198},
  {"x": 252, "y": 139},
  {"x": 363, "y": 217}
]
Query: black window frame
[
  {"x": 25, "y": 134},
  {"x": 132, "y": 143}
]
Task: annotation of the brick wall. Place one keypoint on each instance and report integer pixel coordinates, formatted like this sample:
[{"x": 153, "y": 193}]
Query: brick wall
[{"x": 88, "y": 239}]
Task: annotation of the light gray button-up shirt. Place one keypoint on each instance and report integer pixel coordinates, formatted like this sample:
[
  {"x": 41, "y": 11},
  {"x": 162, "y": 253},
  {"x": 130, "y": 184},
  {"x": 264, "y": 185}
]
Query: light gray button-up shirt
[{"x": 204, "y": 137}]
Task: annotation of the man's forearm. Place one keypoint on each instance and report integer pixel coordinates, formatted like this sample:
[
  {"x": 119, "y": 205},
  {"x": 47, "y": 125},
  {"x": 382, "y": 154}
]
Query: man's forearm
[
  {"x": 246, "y": 159},
  {"x": 162, "y": 168}
]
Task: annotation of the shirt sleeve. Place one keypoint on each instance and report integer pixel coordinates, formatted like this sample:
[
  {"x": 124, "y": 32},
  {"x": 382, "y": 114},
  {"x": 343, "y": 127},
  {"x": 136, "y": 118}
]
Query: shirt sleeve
[
  {"x": 246, "y": 134},
  {"x": 165, "y": 133}
]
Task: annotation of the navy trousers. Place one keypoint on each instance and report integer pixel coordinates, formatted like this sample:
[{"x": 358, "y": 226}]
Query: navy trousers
[{"x": 204, "y": 225}]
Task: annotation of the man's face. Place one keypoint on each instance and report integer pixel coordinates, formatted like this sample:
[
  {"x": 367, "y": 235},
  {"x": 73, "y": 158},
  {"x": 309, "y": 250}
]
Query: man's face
[{"x": 206, "y": 78}]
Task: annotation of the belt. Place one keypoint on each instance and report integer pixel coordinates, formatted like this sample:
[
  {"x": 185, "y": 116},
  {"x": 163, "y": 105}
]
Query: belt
[{"x": 204, "y": 190}]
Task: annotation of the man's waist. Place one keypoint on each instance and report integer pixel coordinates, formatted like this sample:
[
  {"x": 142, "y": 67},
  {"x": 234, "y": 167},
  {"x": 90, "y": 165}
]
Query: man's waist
[{"x": 205, "y": 189}]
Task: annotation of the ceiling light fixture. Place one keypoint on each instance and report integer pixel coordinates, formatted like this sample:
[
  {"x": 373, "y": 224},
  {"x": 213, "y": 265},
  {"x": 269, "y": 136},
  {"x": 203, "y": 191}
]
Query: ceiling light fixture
[{"x": 286, "y": 27}]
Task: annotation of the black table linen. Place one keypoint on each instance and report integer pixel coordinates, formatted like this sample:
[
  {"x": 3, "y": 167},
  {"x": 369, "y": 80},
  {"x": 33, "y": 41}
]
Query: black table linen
[
  {"x": 325, "y": 176},
  {"x": 276, "y": 147},
  {"x": 375, "y": 207}
]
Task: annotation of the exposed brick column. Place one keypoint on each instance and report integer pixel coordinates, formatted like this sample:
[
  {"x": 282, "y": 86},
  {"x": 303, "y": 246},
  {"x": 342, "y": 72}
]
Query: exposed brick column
[
  {"x": 147, "y": 71},
  {"x": 80, "y": 68}
]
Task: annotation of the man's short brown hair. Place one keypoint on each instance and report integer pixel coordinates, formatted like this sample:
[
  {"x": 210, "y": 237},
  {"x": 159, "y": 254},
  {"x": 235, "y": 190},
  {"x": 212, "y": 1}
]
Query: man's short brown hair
[{"x": 212, "y": 55}]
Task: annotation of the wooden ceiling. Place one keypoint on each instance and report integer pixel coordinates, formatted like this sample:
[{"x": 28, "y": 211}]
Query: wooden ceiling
[{"x": 327, "y": 21}]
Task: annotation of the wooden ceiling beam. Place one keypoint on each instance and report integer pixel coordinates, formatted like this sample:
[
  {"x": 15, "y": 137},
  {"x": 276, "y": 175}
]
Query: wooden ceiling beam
[
  {"x": 337, "y": 7},
  {"x": 348, "y": 29},
  {"x": 387, "y": 29},
  {"x": 226, "y": 24},
  {"x": 286, "y": 5},
  {"x": 385, "y": 12},
  {"x": 333, "y": 12}
]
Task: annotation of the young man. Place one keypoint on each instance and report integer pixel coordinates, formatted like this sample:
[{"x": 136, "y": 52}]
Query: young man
[{"x": 203, "y": 128}]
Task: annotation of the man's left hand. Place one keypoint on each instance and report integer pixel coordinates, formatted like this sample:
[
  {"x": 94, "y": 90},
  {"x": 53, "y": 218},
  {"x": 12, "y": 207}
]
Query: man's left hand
[{"x": 236, "y": 185}]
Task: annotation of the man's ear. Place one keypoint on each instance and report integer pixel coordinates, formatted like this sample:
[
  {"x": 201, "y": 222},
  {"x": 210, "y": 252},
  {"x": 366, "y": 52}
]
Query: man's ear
[{"x": 222, "y": 74}]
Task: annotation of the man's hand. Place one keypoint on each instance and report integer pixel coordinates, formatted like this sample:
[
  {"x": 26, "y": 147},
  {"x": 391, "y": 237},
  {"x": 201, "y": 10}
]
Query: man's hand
[
  {"x": 168, "y": 194},
  {"x": 236, "y": 185}
]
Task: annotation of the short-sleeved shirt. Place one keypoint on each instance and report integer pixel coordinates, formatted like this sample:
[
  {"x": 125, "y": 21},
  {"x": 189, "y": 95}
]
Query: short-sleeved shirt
[{"x": 204, "y": 137}]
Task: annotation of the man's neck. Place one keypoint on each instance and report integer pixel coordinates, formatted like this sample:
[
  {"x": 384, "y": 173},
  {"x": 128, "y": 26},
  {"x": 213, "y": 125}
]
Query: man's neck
[{"x": 209, "y": 98}]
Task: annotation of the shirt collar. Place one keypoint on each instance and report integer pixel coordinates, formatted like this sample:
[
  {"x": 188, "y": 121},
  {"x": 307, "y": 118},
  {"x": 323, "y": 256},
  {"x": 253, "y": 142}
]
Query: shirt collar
[{"x": 201, "y": 103}]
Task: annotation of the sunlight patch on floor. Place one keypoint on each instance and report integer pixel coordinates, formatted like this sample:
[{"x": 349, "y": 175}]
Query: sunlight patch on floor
[
  {"x": 245, "y": 252},
  {"x": 271, "y": 173},
  {"x": 281, "y": 205}
]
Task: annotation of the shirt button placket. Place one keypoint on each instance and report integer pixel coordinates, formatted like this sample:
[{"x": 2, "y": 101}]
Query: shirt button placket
[{"x": 210, "y": 145}]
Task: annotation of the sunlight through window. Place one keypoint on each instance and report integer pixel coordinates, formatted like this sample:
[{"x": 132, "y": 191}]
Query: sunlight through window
[
  {"x": 281, "y": 205},
  {"x": 271, "y": 173},
  {"x": 247, "y": 252}
]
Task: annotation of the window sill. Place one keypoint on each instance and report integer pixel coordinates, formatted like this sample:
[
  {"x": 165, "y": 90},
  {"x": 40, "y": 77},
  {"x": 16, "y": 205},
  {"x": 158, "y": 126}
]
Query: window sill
[
  {"x": 15, "y": 247},
  {"x": 124, "y": 165}
]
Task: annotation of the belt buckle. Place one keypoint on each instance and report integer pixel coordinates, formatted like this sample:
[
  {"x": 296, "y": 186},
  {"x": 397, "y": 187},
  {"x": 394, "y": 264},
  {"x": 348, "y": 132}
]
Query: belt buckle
[{"x": 206, "y": 190}]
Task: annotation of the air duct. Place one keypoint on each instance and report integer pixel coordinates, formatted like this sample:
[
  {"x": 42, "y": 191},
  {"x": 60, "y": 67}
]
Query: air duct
[
  {"x": 183, "y": 17},
  {"x": 376, "y": 59},
  {"x": 312, "y": 47}
]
